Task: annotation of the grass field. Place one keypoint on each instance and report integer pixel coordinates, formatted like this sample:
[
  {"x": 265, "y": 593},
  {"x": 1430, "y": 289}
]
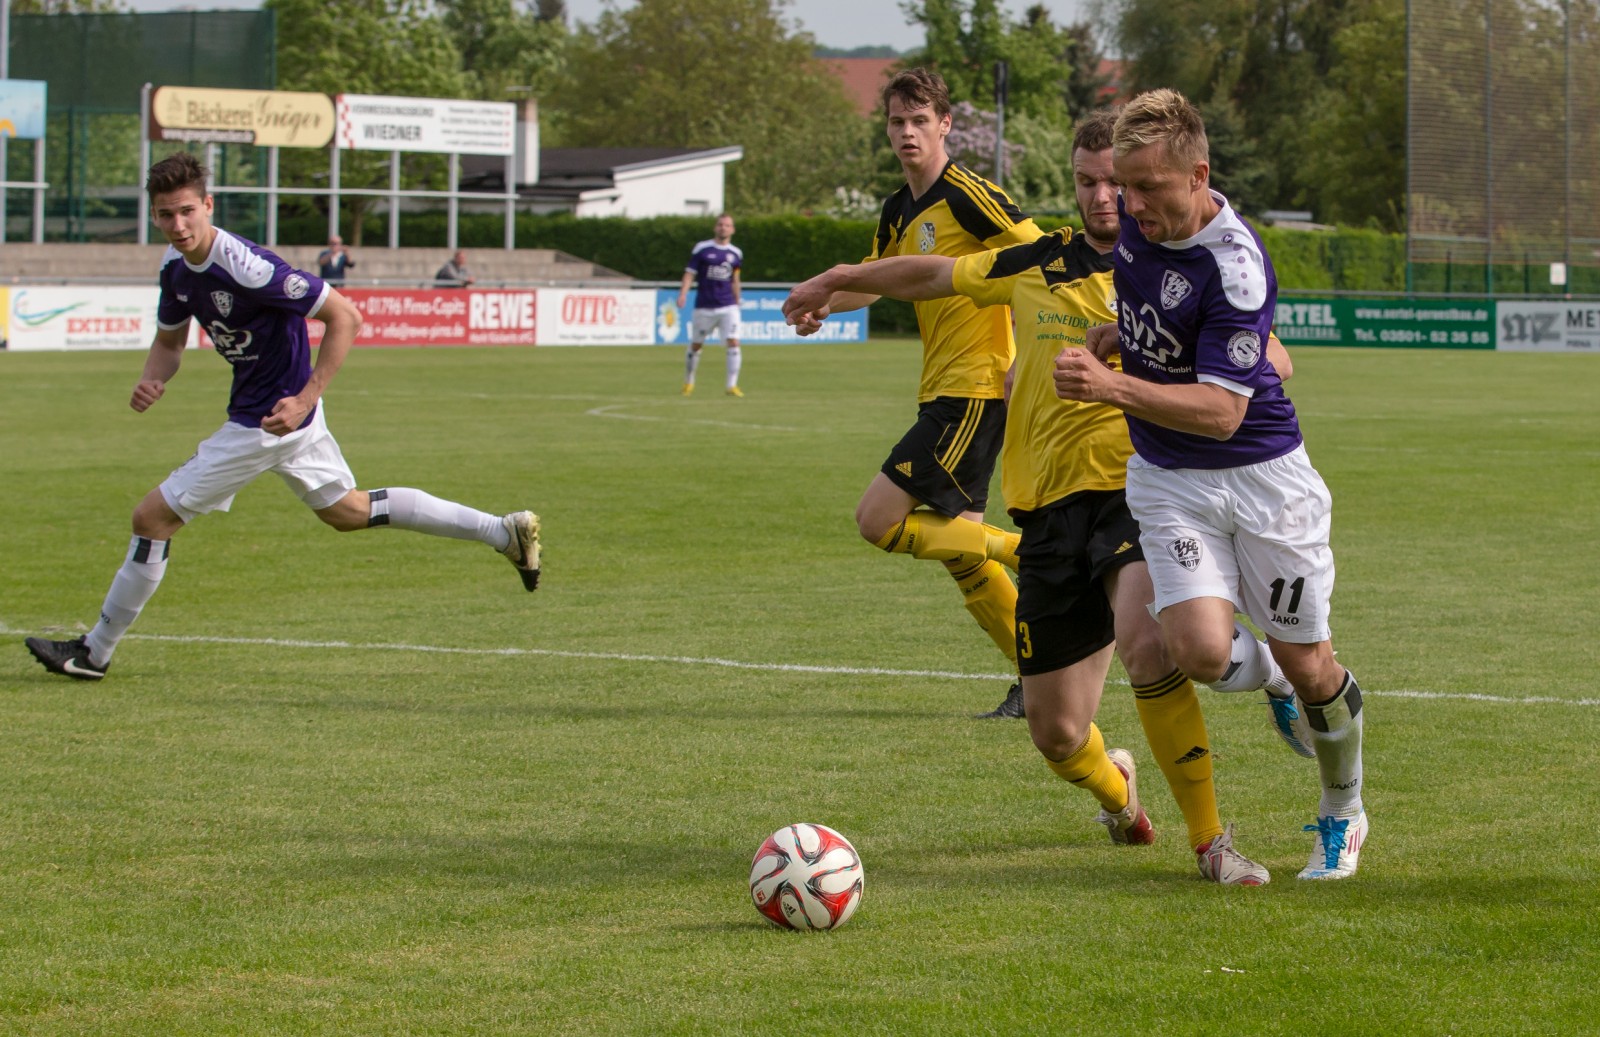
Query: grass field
[{"x": 364, "y": 784}]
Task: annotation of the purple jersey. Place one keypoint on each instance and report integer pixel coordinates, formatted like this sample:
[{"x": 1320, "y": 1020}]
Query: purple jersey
[
  {"x": 254, "y": 306},
  {"x": 713, "y": 266},
  {"x": 1200, "y": 310}
]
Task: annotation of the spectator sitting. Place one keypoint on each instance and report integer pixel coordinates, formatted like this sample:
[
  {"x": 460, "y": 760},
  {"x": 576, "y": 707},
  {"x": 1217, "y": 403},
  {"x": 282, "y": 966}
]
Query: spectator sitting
[{"x": 455, "y": 274}]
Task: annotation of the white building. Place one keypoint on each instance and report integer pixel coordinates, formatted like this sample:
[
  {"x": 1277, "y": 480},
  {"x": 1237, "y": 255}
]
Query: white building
[{"x": 633, "y": 182}]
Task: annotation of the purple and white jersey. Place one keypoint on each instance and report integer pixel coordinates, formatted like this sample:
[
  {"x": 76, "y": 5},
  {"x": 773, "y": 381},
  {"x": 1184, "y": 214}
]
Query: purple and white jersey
[
  {"x": 1200, "y": 310},
  {"x": 254, "y": 306},
  {"x": 713, "y": 266}
]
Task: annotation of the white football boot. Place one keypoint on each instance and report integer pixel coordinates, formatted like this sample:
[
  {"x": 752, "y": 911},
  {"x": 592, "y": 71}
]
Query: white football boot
[{"x": 1338, "y": 847}]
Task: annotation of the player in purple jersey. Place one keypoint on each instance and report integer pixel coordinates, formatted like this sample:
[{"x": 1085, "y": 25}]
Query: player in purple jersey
[
  {"x": 1233, "y": 518},
  {"x": 254, "y": 307},
  {"x": 714, "y": 264}
]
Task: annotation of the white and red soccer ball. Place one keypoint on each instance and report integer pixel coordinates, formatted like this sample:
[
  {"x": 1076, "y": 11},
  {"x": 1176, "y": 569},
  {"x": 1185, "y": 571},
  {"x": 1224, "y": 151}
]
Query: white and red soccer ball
[{"x": 807, "y": 877}]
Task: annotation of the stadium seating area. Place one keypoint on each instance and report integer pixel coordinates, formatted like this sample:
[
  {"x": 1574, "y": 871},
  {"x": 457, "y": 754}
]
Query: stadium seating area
[{"x": 137, "y": 264}]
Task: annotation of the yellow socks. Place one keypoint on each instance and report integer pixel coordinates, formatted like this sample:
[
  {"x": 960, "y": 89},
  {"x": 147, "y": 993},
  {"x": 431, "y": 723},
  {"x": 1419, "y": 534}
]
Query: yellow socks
[
  {"x": 924, "y": 534},
  {"x": 991, "y": 597},
  {"x": 1169, "y": 711},
  {"x": 1090, "y": 768}
]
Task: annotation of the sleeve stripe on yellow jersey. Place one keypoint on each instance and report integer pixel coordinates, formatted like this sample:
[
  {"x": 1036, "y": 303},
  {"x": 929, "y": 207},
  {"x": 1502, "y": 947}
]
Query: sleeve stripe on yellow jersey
[
  {"x": 963, "y": 437},
  {"x": 980, "y": 197}
]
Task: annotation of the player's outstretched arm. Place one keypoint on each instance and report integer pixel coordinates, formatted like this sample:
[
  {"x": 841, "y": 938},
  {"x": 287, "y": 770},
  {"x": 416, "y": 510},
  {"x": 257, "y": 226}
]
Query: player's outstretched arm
[
  {"x": 342, "y": 321},
  {"x": 899, "y": 277},
  {"x": 166, "y": 354}
]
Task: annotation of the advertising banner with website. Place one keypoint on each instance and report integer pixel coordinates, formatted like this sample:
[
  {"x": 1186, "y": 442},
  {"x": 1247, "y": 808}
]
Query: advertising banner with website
[
  {"x": 80, "y": 318},
  {"x": 597, "y": 316},
  {"x": 760, "y": 320},
  {"x": 1422, "y": 323},
  {"x": 441, "y": 317},
  {"x": 267, "y": 118},
  {"x": 22, "y": 106},
  {"x": 431, "y": 124}
]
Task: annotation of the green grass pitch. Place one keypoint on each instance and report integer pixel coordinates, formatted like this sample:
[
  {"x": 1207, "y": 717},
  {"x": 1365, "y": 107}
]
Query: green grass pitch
[{"x": 365, "y": 784}]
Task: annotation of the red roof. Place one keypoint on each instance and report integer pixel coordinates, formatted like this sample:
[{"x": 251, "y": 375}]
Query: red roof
[{"x": 863, "y": 79}]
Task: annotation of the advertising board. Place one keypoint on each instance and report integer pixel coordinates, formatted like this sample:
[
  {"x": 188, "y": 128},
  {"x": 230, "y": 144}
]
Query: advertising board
[{"x": 430, "y": 124}]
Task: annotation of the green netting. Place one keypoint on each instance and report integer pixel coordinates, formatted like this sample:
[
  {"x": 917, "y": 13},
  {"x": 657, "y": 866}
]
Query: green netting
[
  {"x": 1503, "y": 156},
  {"x": 101, "y": 61}
]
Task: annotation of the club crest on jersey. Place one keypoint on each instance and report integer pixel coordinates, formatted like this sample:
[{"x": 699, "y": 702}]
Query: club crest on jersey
[
  {"x": 1244, "y": 348},
  {"x": 1174, "y": 289},
  {"x": 1186, "y": 551},
  {"x": 223, "y": 301},
  {"x": 295, "y": 286},
  {"x": 925, "y": 235}
]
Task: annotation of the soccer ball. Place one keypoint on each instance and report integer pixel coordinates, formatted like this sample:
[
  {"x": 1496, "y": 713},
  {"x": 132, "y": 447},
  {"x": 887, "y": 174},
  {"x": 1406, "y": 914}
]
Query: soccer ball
[{"x": 806, "y": 877}]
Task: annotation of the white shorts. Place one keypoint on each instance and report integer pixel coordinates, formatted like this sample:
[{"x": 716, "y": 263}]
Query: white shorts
[
  {"x": 1255, "y": 535},
  {"x": 308, "y": 461},
  {"x": 722, "y": 321}
]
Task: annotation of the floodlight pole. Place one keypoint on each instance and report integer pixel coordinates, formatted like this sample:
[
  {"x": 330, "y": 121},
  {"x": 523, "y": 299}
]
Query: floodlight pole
[
  {"x": 5, "y": 73},
  {"x": 144, "y": 163}
]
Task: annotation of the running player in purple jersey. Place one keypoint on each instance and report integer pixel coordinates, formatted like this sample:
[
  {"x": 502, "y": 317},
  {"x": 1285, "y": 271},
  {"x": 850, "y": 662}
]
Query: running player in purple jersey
[
  {"x": 254, "y": 306},
  {"x": 714, "y": 264},
  {"x": 1233, "y": 518}
]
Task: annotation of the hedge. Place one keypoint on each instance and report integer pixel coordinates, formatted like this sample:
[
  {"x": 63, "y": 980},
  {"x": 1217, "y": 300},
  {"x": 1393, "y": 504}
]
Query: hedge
[{"x": 791, "y": 248}]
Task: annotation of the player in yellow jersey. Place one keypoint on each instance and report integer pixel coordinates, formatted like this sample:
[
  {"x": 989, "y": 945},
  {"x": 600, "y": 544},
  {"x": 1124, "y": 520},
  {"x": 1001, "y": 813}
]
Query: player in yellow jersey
[
  {"x": 1083, "y": 581},
  {"x": 928, "y": 499}
]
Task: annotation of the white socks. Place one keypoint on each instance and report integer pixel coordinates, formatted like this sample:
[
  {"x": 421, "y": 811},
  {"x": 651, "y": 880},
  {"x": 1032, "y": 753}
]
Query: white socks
[
  {"x": 1251, "y": 667},
  {"x": 691, "y": 364},
  {"x": 733, "y": 366},
  {"x": 133, "y": 586},
  {"x": 1336, "y": 731},
  {"x": 405, "y": 508}
]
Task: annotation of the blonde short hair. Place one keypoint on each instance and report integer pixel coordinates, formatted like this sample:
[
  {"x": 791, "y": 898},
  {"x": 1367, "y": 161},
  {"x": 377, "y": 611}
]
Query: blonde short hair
[{"x": 1162, "y": 117}]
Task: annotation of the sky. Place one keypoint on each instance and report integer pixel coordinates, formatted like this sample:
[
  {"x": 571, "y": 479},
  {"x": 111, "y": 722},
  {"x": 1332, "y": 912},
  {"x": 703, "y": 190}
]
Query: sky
[{"x": 834, "y": 23}]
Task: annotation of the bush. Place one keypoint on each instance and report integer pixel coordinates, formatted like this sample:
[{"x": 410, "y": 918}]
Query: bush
[{"x": 790, "y": 248}]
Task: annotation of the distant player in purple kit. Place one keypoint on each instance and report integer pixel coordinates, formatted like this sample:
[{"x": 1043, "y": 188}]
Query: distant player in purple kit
[
  {"x": 714, "y": 263},
  {"x": 1232, "y": 516},
  {"x": 254, "y": 307}
]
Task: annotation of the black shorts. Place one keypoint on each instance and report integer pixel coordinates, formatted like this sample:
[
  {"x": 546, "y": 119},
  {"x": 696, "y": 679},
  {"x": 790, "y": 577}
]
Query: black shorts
[
  {"x": 947, "y": 458},
  {"x": 1068, "y": 547}
]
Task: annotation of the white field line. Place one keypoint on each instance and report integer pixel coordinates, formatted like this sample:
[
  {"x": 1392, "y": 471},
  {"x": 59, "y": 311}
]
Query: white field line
[
  {"x": 736, "y": 664},
  {"x": 611, "y": 411}
]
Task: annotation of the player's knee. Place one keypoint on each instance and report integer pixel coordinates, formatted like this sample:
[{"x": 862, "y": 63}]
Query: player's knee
[
  {"x": 1143, "y": 654},
  {"x": 1200, "y": 657},
  {"x": 154, "y": 519},
  {"x": 1056, "y": 738},
  {"x": 872, "y": 526},
  {"x": 349, "y": 514}
]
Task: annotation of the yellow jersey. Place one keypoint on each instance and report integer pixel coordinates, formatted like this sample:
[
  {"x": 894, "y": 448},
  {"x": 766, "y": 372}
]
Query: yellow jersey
[
  {"x": 1057, "y": 287},
  {"x": 966, "y": 350}
]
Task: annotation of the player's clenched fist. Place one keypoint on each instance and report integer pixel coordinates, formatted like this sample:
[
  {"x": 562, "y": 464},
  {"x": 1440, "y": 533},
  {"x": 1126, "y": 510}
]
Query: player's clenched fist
[
  {"x": 146, "y": 393},
  {"x": 1101, "y": 340},
  {"x": 1080, "y": 375}
]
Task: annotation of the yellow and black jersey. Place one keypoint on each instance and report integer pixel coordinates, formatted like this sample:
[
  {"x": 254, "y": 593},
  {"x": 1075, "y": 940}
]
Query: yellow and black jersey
[
  {"x": 1058, "y": 287},
  {"x": 965, "y": 350}
]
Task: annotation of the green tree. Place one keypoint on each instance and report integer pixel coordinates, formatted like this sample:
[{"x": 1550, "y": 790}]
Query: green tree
[
  {"x": 506, "y": 49},
  {"x": 1264, "y": 70},
  {"x": 712, "y": 73},
  {"x": 366, "y": 47},
  {"x": 1355, "y": 153},
  {"x": 964, "y": 39}
]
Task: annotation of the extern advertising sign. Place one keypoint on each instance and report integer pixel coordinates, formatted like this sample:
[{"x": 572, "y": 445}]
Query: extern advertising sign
[
  {"x": 22, "y": 103},
  {"x": 1424, "y": 323},
  {"x": 265, "y": 117},
  {"x": 88, "y": 317},
  {"x": 431, "y": 124}
]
